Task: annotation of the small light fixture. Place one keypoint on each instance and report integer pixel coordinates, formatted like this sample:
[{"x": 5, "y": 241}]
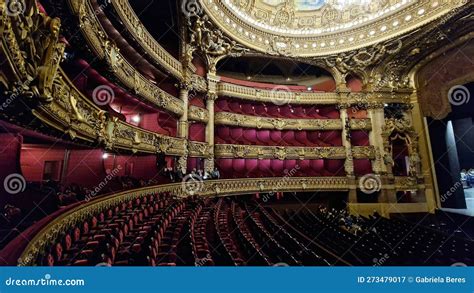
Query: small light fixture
[
  {"x": 136, "y": 118},
  {"x": 105, "y": 156},
  {"x": 310, "y": 89}
]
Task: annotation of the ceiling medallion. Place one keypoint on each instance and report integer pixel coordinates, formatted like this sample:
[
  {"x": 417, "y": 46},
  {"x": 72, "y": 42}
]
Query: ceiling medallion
[{"x": 309, "y": 28}]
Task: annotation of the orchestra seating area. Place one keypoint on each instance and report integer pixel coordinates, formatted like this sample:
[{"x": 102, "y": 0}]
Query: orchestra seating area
[{"x": 160, "y": 230}]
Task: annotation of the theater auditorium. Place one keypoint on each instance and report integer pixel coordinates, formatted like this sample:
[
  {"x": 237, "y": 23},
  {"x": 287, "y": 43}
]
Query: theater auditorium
[{"x": 236, "y": 133}]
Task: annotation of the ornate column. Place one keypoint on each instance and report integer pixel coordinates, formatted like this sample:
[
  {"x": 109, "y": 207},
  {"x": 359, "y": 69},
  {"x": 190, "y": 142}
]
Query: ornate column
[
  {"x": 346, "y": 141},
  {"x": 382, "y": 164},
  {"x": 210, "y": 100},
  {"x": 183, "y": 125},
  {"x": 376, "y": 115}
]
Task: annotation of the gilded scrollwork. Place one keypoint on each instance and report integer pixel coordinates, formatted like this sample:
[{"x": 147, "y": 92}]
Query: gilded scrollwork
[
  {"x": 310, "y": 98},
  {"x": 105, "y": 130},
  {"x": 401, "y": 125},
  {"x": 68, "y": 110},
  {"x": 112, "y": 54},
  {"x": 359, "y": 61},
  {"x": 198, "y": 114},
  {"x": 120, "y": 67},
  {"x": 159, "y": 55},
  {"x": 324, "y": 30},
  {"x": 232, "y": 119},
  {"x": 360, "y": 124},
  {"x": 280, "y": 153},
  {"x": 36, "y": 51},
  {"x": 408, "y": 183},
  {"x": 198, "y": 149},
  {"x": 363, "y": 152},
  {"x": 198, "y": 83},
  {"x": 210, "y": 41}
]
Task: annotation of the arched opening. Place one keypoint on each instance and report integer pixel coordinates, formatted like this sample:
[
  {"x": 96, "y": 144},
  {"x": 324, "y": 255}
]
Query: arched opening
[{"x": 400, "y": 154}]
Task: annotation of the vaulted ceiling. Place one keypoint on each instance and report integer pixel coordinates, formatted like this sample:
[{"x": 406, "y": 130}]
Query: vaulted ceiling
[{"x": 308, "y": 28}]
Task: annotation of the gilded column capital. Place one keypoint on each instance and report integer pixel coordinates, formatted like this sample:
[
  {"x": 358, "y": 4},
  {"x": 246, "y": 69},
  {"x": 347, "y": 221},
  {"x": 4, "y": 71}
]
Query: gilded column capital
[
  {"x": 343, "y": 106},
  {"x": 375, "y": 105},
  {"x": 184, "y": 86},
  {"x": 211, "y": 97}
]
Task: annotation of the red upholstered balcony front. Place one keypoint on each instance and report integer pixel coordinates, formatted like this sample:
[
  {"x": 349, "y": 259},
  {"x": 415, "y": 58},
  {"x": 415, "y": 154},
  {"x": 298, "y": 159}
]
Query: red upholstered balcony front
[
  {"x": 260, "y": 109},
  {"x": 301, "y": 138},
  {"x": 255, "y": 168}
]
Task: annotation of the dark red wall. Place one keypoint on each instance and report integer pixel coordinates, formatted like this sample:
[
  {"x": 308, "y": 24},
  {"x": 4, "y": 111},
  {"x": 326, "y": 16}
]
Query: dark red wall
[{"x": 33, "y": 158}]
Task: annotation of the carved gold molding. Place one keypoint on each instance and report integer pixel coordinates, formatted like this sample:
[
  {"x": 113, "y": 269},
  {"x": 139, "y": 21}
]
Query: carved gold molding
[
  {"x": 363, "y": 152},
  {"x": 133, "y": 24},
  {"x": 249, "y": 121},
  {"x": 198, "y": 114},
  {"x": 209, "y": 41},
  {"x": 281, "y": 96},
  {"x": 34, "y": 48},
  {"x": 412, "y": 15},
  {"x": 199, "y": 149},
  {"x": 280, "y": 153},
  {"x": 125, "y": 72},
  {"x": 197, "y": 83},
  {"x": 74, "y": 114},
  {"x": 225, "y": 118},
  {"x": 66, "y": 109},
  {"x": 360, "y": 124},
  {"x": 408, "y": 183}
]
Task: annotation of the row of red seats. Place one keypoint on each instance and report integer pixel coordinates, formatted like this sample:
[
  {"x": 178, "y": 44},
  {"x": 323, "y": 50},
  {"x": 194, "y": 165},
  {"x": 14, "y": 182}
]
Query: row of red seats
[
  {"x": 298, "y": 246},
  {"x": 107, "y": 236},
  {"x": 257, "y": 255},
  {"x": 200, "y": 245},
  {"x": 168, "y": 248},
  {"x": 276, "y": 251},
  {"x": 159, "y": 230},
  {"x": 226, "y": 234}
]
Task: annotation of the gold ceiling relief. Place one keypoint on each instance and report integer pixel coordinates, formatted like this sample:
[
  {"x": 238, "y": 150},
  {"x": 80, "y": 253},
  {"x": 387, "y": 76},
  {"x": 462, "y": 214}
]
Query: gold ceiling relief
[{"x": 321, "y": 27}]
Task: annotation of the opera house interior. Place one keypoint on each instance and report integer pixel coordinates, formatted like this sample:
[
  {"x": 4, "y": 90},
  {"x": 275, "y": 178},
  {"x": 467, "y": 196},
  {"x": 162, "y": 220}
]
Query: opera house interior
[{"x": 236, "y": 133}]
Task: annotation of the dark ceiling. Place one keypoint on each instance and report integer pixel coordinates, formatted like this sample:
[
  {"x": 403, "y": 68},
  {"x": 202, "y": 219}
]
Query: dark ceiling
[
  {"x": 161, "y": 19},
  {"x": 255, "y": 66}
]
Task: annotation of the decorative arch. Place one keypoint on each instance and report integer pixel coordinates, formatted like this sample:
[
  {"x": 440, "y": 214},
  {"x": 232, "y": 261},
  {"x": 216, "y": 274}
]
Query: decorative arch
[
  {"x": 436, "y": 76},
  {"x": 401, "y": 130}
]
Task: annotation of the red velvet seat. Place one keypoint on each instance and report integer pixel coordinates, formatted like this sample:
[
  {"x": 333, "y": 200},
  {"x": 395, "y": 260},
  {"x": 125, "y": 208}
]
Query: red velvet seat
[
  {"x": 302, "y": 138},
  {"x": 235, "y": 107},
  {"x": 248, "y": 109},
  {"x": 261, "y": 110},
  {"x": 250, "y": 136}
]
